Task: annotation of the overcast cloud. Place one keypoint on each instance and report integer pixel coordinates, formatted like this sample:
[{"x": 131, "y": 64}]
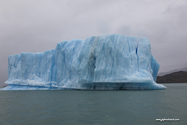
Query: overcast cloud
[{"x": 38, "y": 25}]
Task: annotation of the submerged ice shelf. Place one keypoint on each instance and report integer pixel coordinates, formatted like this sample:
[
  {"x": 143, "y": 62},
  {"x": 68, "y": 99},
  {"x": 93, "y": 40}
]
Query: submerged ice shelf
[{"x": 98, "y": 63}]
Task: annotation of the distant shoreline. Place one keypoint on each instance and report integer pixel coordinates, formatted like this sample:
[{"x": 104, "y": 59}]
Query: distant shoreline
[{"x": 175, "y": 77}]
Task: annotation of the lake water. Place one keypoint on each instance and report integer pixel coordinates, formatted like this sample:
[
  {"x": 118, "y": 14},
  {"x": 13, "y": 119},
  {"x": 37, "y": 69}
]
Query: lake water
[{"x": 69, "y": 107}]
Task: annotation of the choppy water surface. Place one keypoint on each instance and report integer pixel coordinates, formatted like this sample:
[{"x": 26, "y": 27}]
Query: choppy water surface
[{"x": 94, "y": 107}]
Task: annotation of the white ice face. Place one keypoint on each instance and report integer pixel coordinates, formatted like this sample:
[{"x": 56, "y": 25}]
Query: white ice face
[{"x": 99, "y": 62}]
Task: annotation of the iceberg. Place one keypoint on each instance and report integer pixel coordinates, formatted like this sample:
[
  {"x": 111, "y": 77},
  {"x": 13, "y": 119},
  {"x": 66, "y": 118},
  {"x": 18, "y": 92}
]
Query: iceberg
[{"x": 108, "y": 62}]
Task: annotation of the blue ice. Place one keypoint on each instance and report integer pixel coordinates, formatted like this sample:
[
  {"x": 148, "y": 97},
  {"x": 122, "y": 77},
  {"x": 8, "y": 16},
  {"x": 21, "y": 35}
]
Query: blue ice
[{"x": 108, "y": 62}]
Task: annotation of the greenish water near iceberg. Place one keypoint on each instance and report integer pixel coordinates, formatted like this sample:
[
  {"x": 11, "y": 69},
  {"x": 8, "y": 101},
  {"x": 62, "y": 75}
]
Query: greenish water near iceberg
[{"x": 69, "y": 107}]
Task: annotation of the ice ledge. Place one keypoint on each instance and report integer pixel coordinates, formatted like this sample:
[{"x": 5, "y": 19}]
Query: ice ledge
[
  {"x": 146, "y": 85},
  {"x": 92, "y": 86}
]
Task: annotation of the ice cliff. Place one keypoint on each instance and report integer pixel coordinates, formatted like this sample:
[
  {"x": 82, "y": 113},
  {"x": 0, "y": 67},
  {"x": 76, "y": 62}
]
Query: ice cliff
[{"x": 99, "y": 62}]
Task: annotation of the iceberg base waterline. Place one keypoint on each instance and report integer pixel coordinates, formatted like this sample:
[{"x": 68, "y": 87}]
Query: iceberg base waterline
[{"x": 93, "y": 86}]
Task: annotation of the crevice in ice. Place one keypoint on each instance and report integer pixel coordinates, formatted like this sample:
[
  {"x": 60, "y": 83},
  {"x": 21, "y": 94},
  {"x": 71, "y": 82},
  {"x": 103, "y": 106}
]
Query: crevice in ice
[
  {"x": 137, "y": 53},
  {"x": 94, "y": 60},
  {"x": 52, "y": 67},
  {"x": 129, "y": 49},
  {"x": 92, "y": 64}
]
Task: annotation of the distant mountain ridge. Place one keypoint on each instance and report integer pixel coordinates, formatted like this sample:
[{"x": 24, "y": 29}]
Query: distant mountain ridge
[
  {"x": 175, "y": 77},
  {"x": 172, "y": 71}
]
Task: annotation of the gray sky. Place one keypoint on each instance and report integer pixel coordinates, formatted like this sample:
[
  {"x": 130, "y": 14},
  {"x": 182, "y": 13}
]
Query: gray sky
[{"x": 38, "y": 25}]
